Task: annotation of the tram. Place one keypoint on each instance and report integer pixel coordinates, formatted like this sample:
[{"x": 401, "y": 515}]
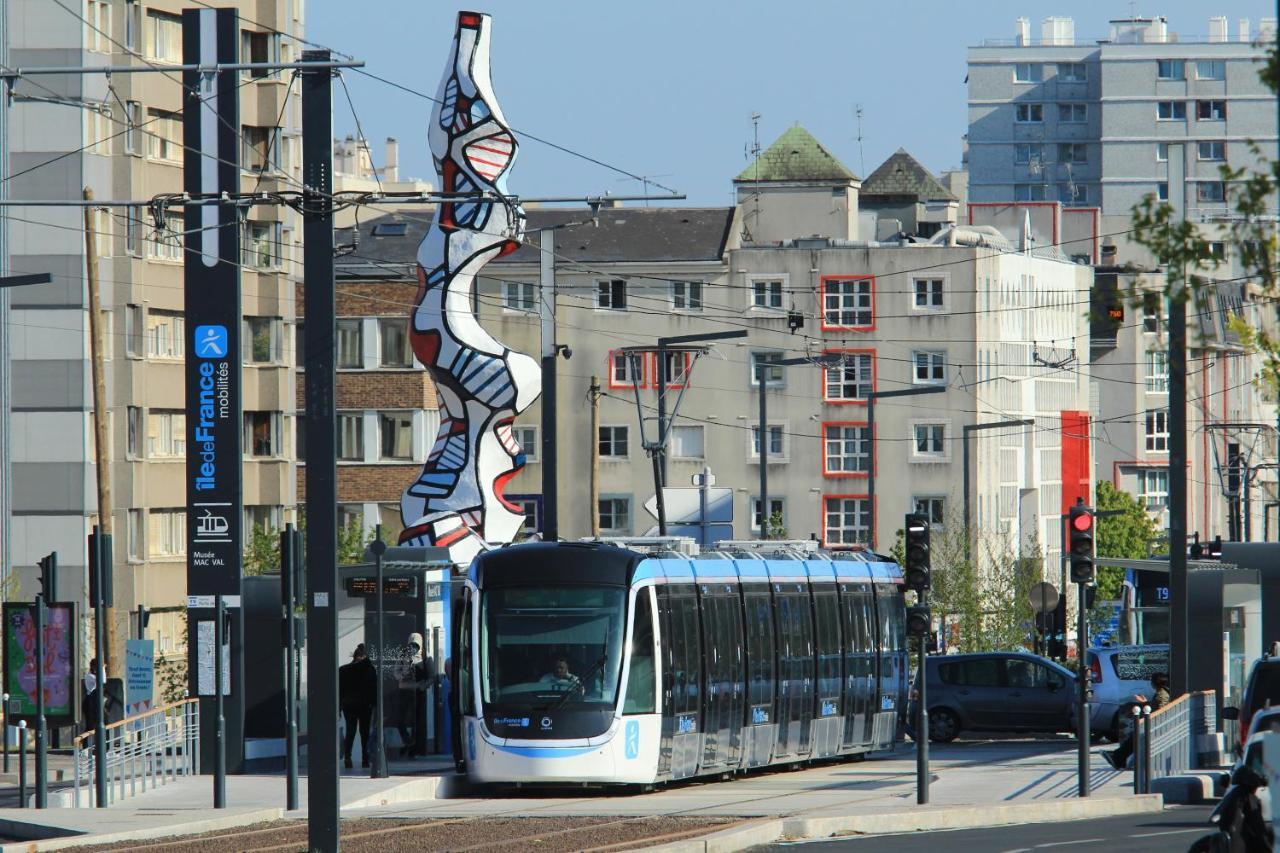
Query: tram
[{"x": 588, "y": 663}]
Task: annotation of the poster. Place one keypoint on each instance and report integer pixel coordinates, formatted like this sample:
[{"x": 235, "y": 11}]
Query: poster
[
  {"x": 139, "y": 676},
  {"x": 61, "y": 691},
  {"x": 204, "y": 655}
]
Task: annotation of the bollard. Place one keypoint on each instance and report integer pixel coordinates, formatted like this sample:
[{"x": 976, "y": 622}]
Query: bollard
[
  {"x": 22, "y": 764},
  {"x": 1136, "y": 751},
  {"x": 1146, "y": 749}
]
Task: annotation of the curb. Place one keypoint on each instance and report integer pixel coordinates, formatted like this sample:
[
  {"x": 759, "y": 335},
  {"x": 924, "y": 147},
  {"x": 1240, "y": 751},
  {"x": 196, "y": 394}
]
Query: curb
[
  {"x": 924, "y": 819},
  {"x": 66, "y": 838},
  {"x": 411, "y": 790}
]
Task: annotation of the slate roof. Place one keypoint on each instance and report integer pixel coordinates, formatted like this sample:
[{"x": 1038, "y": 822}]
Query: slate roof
[
  {"x": 796, "y": 156},
  {"x": 624, "y": 234},
  {"x": 902, "y": 174}
]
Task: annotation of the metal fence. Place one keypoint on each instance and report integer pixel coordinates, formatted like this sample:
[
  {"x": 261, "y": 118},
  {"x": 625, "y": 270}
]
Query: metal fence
[
  {"x": 1170, "y": 738},
  {"x": 144, "y": 752}
]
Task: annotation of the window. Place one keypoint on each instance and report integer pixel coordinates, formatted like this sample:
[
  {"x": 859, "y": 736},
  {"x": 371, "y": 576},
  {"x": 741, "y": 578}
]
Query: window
[
  {"x": 930, "y": 367},
  {"x": 1170, "y": 69},
  {"x": 687, "y": 442},
  {"x": 932, "y": 508},
  {"x": 133, "y": 231},
  {"x": 263, "y": 344},
  {"x": 613, "y": 442},
  {"x": 1171, "y": 110},
  {"x": 1211, "y": 150},
  {"x": 350, "y": 343},
  {"x": 259, "y": 47},
  {"x": 262, "y": 244},
  {"x": 350, "y": 436},
  {"x": 167, "y": 533},
  {"x": 391, "y": 229},
  {"x": 165, "y": 37},
  {"x": 1152, "y": 312},
  {"x": 1025, "y": 153},
  {"x": 611, "y": 294},
  {"x": 777, "y": 441},
  {"x": 777, "y": 511},
  {"x": 1029, "y": 113},
  {"x": 928, "y": 294},
  {"x": 676, "y": 369},
  {"x": 1072, "y": 72},
  {"x": 1211, "y": 110},
  {"x": 166, "y": 334},
  {"x": 1073, "y": 152},
  {"x": 1072, "y": 113},
  {"x": 1158, "y": 430},
  {"x": 132, "y": 25},
  {"x": 1216, "y": 250},
  {"x": 132, "y": 135},
  {"x": 396, "y": 432},
  {"x": 626, "y": 368},
  {"x": 262, "y": 434},
  {"x": 1211, "y": 69},
  {"x": 165, "y": 244},
  {"x": 393, "y": 342},
  {"x": 686, "y": 295},
  {"x": 164, "y": 135},
  {"x": 133, "y": 426},
  {"x": 519, "y": 296},
  {"x": 265, "y": 517},
  {"x": 97, "y": 34},
  {"x": 766, "y": 293},
  {"x": 1028, "y": 192},
  {"x": 929, "y": 439},
  {"x": 1073, "y": 194},
  {"x": 133, "y": 536},
  {"x": 615, "y": 515},
  {"x": 1027, "y": 72},
  {"x": 848, "y": 303},
  {"x": 133, "y": 330},
  {"x": 1211, "y": 191},
  {"x": 846, "y": 449},
  {"x": 166, "y": 434},
  {"x": 1157, "y": 372},
  {"x": 527, "y": 438},
  {"x": 851, "y": 380},
  {"x": 1162, "y": 191},
  {"x": 1153, "y": 488},
  {"x": 848, "y": 520},
  {"x": 260, "y": 148},
  {"x": 774, "y": 373},
  {"x": 1162, "y": 152}
]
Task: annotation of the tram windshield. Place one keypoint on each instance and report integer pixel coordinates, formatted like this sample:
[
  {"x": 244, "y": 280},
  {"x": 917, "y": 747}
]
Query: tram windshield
[{"x": 554, "y": 647}]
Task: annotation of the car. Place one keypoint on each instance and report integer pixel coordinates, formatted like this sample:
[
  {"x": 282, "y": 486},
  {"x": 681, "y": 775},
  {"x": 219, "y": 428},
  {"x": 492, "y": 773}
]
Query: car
[
  {"x": 997, "y": 692},
  {"x": 1262, "y": 690},
  {"x": 1116, "y": 674}
]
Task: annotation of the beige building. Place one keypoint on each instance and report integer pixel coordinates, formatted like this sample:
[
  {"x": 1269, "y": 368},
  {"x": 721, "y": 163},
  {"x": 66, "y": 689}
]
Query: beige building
[{"x": 122, "y": 137}]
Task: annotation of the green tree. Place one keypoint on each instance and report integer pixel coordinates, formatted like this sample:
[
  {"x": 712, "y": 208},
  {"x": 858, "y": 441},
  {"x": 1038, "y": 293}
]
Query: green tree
[{"x": 262, "y": 552}]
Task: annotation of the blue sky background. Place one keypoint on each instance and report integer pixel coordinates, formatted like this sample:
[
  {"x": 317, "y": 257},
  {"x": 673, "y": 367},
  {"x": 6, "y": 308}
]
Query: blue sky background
[{"x": 666, "y": 89}]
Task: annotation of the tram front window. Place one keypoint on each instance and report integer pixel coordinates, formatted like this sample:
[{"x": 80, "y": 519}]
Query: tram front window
[{"x": 557, "y": 647}]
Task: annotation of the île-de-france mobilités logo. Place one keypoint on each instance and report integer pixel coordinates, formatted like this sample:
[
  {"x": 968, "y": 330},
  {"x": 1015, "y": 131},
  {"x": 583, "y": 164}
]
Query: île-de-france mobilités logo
[{"x": 211, "y": 341}]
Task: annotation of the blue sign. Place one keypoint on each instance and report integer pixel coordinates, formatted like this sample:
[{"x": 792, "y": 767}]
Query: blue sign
[
  {"x": 759, "y": 716},
  {"x": 631, "y": 739},
  {"x": 828, "y": 708},
  {"x": 686, "y": 724},
  {"x": 211, "y": 341}
]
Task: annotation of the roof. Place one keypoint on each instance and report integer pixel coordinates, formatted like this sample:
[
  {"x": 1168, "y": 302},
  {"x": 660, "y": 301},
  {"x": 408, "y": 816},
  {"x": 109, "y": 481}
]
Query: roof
[
  {"x": 902, "y": 174},
  {"x": 796, "y": 156},
  {"x": 619, "y": 234}
]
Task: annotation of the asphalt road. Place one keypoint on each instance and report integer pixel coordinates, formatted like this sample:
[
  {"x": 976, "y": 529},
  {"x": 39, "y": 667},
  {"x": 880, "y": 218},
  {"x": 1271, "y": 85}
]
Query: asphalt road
[{"x": 1173, "y": 830}]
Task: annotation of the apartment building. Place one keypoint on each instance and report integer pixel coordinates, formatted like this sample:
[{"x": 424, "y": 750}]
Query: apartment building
[
  {"x": 995, "y": 325},
  {"x": 354, "y": 171},
  {"x": 121, "y": 136}
]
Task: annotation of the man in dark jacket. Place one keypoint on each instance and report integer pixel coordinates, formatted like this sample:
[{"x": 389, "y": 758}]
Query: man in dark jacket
[
  {"x": 357, "y": 686},
  {"x": 1118, "y": 758}
]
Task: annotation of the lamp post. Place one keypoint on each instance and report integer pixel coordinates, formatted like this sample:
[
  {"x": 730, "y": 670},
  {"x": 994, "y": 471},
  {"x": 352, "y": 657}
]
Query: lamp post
[
  {"x": 970, "y": 428},
  {"x": 872, "y": 396}
]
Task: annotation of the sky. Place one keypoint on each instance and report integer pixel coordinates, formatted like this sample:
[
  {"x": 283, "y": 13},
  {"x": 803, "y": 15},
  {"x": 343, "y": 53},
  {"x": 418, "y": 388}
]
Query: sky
[{"x": 665, "y": 90}]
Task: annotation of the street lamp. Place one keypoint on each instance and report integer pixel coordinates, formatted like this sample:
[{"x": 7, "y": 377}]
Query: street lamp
[
  {"x": 968, "y": 428},
  {"x": 872, "y": 396}
]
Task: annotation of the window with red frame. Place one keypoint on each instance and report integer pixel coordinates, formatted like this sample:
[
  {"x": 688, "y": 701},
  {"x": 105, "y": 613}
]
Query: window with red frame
[{"x": 848, "y": 303}]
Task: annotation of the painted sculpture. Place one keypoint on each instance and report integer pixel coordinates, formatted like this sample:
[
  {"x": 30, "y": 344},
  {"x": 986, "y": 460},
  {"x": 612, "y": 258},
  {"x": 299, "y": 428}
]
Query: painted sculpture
[{"x": 457, "y": 501}]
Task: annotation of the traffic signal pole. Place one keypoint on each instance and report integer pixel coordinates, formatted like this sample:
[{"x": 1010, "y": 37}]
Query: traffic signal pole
[
  {"x": 919, "y": 623},
  {"x": 1080, "y": 527}
]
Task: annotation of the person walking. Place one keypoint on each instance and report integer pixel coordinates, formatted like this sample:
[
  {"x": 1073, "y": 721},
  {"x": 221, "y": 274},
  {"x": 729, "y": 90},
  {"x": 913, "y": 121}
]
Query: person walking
[
  {"x": 357, "y": 683},
  {"x": 1118, "y": 758},
  {"x": 415, "y": 675}
]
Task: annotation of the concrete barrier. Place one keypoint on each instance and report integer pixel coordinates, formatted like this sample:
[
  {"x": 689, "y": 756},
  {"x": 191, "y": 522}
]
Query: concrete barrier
[{"x": 1186, "y": 789}]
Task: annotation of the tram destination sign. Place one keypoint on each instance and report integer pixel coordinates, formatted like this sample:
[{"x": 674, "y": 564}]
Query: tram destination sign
[{"x": 366, "y": 586}]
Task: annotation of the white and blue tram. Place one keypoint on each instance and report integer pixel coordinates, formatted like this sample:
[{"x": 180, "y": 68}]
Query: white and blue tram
[{"x": 590, "y": 663}]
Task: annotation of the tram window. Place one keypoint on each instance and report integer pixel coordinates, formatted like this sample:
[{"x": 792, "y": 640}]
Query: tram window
[
  {"x": 466, "y": 696},
  {"x": 828, "y": 635},
  {"x": 639, "y": 698},
  {"x": 685, "y": 652},
  {"x": 760, "y": 649}
]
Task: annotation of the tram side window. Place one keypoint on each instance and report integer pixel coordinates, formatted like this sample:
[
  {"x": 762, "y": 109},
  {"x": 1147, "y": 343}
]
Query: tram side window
[
  {"x": 859, "y": 641},
  {"x": 828, "y": 636},
  {"x": 760, "y": 648},
  {"x": 639, "y": 699},
  {"x": 466, "y": 694},
  {"x": 686, "y": 654}
]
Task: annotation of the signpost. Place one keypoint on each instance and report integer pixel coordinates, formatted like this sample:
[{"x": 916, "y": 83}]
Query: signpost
[{"x": 139, "y": 677}]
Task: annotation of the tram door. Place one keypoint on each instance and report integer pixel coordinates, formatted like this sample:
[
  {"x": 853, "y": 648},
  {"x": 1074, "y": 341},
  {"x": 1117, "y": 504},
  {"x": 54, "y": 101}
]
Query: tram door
[
  {"x": 859, "y": 662},
  {"x": 723, "y": 688},
  {"x": 891, "y": 627},
  {"x": 761, "y": 713},
  {"x": 681, "y": 680},
  {"x": 827, "y": 652},
  {"x": 795, "y": 663}
]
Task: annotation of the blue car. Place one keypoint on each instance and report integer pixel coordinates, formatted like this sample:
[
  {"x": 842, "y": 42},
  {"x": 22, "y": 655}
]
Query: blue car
[{"x": 996, "y": 692}]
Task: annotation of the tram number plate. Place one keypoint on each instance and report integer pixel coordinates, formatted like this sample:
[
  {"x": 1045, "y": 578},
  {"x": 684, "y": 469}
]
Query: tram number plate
[
  {"x": 686, "y": 724},
  {"x": 829, "y": 708},
  {"x": 759, "y": 716}
]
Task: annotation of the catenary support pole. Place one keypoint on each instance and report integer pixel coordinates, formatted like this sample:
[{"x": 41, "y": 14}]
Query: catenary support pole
[
  {"x": 595, "y": 455},
  {"x": 100, "y": 549},
  {"x": 42, "y": 754},
  {"x": 322, "y": 475},
  {"x": 1179, "y": 670},
  {"x": 547, "y": 310},
  {"x": 219, "y": 705},
  {"x": 764, "y": 449},
  {"x": 289, "y": 604}
]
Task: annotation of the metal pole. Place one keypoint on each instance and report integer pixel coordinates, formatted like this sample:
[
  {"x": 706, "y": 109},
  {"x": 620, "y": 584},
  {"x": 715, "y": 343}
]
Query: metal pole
[
  {"x": 220, "y": 720},
  {"x": 661, "y": 370},
  {"x": 656, "y": 456},
  {"x": 22, "y": 764},
  {"x": 378, "y": 767},
  {"x": 922, "y": 730},
  {"x": 100, "y": 549},
  {"x": 6, "y": 734},
  {"x": 42, "y": 756},
  {"x": 288, "y": 600},
  {"x": 1179, "y": 670},
  {"x": 547, "y": 310},
  {"x": 964, "y": 479},
  {"x": 764, "y": 452},
  {"x": 322, "y": 496},
  {"x": 871, "y": 470},
  {"x": 1082, "y": 680}
]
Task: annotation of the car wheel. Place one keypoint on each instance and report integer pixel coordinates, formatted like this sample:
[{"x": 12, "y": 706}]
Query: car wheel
[{"x": 944, "y": 726}]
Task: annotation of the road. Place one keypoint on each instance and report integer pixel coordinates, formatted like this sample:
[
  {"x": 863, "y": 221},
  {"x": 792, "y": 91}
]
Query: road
[{"x": 1173, "y": 830}]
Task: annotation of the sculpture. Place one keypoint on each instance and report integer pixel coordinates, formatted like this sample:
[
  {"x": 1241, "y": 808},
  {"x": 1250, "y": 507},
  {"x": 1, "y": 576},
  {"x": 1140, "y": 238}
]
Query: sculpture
[{"x": 457, "y": 501}]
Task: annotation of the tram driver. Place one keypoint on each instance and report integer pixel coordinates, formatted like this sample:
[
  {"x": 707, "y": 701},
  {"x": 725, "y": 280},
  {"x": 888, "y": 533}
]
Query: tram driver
[{"x": 559, "y": 678}]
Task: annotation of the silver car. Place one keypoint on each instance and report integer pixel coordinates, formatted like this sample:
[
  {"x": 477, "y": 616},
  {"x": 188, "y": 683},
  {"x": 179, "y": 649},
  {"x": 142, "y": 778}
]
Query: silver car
[{"x": 1116, "y": 675}]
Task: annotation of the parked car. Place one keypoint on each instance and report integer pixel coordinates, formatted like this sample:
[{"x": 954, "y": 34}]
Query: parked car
[
  {"x": 996, "y": 691},
  {"x": 1116, "y": 673},
  {"x": 1262, "y": 690}
]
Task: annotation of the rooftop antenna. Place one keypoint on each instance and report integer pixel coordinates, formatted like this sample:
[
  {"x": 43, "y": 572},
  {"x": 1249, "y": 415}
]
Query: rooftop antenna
[
  {"x": 862, "y": 163},
  {"x": 754, "y": 155}
]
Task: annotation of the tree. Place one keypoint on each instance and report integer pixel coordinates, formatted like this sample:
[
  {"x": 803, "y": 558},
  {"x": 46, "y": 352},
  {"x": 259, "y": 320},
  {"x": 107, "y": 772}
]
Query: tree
[{"x": 262, "y": 552}]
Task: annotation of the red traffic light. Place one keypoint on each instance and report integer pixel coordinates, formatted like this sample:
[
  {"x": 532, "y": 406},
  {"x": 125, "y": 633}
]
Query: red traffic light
[{"x": 1082, "y": 522}]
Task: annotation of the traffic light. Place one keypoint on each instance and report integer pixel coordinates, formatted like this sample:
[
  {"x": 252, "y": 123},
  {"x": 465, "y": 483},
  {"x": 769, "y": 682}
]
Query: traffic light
[
  {"x": 1080, "y": 524},
  {"x": 916, "y": 569},
  {"x": 919, "y": 621},
  {"x": 49, "y": 576}
]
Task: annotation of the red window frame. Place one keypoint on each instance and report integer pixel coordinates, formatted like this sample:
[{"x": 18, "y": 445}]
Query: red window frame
[
  {"x": 839, "y": 402},
  {"x": 826, "y": 531},
  {"x": 822, "y": 303},
  {"x": 844, "y": 475}
]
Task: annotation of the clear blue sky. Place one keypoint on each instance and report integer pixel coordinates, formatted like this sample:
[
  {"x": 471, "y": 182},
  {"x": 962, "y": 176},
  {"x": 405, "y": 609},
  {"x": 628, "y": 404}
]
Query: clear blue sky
[{"x": 666, "y": 89}]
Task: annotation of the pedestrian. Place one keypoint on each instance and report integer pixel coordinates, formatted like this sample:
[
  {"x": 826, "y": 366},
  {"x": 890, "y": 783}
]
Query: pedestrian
[
  {"x": 90, "y": 677},
  {"x": 1118, "y": 758},
  {"x": 112, "y": 705},
  {"x": 357, "y": 686},
  {"x": 415, "y": 674}
]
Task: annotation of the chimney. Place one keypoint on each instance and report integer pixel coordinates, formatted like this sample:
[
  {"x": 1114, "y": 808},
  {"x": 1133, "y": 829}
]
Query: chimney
[
  {"x": 1022, "y": 32},
  {"x": 1058, "y": 31},
  {"x": 391, "y": 173},
  {"x": 1266, "y": 29},
  {"x": 1244, "y": 30},
  {"x": 1108, "y": 254},
  {"x": 1218, "y": 28}
]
